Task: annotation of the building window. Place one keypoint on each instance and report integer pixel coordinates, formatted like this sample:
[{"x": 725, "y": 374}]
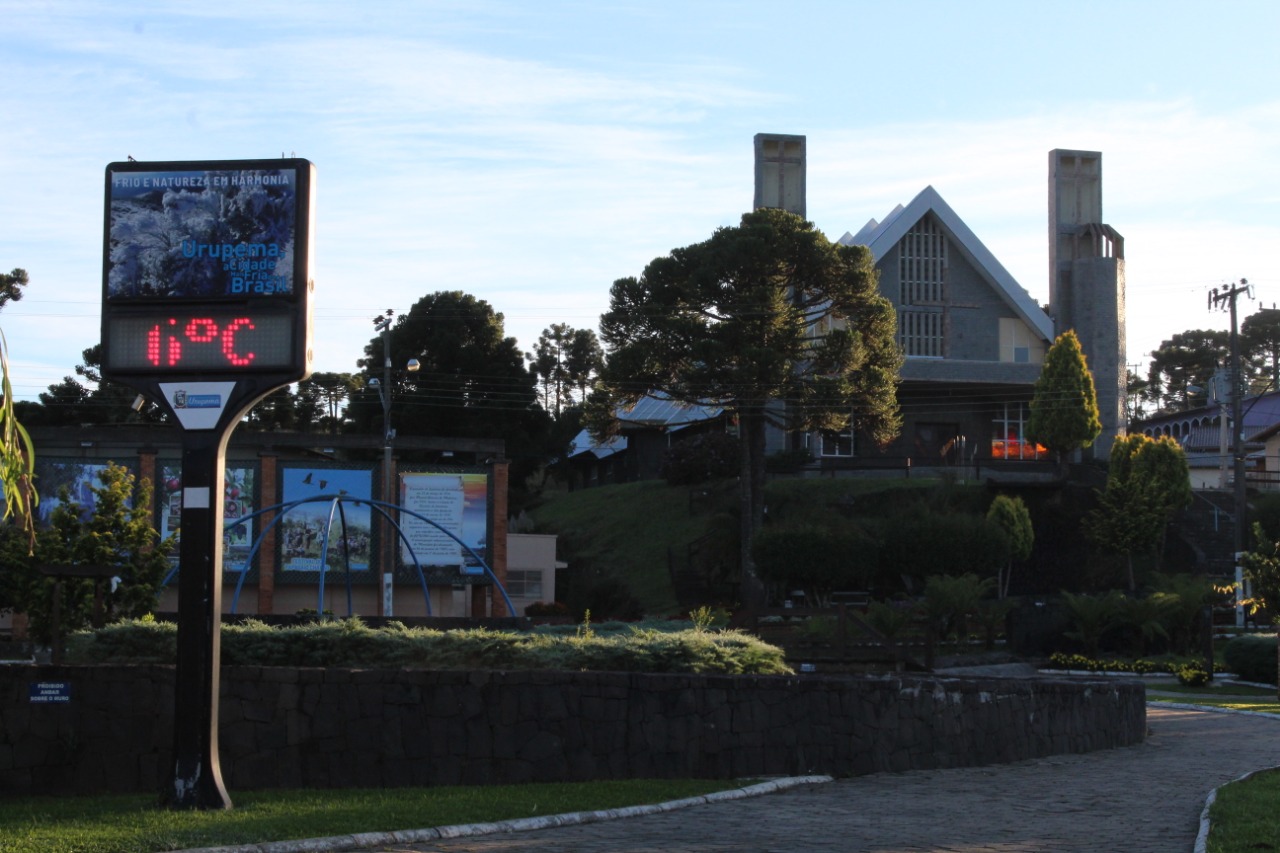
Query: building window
[
  {"x": 920, "y": 333},
  {"x": 1018, "y": 344},
  {"x": 922, "y": 276},
  {"x": 1008, "y": 438},
  {"x": 524, "y": 583},
  {"x": 837, "y": 443}
]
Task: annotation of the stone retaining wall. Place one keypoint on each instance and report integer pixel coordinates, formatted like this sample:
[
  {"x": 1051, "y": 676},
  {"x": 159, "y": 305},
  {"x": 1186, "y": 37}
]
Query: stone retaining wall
[{"x": 282, "y": 727}]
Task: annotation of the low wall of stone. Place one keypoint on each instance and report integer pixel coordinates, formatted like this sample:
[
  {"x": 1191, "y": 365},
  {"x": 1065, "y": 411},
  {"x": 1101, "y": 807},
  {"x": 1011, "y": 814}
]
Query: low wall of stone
[{"x": 109, "y": 728}]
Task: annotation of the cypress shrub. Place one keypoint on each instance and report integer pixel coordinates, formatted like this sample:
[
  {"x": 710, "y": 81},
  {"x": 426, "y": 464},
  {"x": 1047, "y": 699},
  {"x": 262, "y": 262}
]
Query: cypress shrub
[{"x": 1252, "y": 658}]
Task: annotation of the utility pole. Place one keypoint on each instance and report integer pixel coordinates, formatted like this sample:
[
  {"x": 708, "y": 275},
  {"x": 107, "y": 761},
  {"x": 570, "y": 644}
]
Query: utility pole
[{"x": 1226, "y": 296}]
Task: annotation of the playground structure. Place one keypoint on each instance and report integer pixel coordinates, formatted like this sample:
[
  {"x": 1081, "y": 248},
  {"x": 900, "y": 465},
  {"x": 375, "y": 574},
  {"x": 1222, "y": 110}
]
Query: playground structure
[{"x": 336, "y": 502}]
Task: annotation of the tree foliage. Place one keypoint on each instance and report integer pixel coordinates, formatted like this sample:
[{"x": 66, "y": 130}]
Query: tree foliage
[
  {"x": 565, "y": 362},
  {"x": 1010, "y": 515},
  {"x": 1182, "y": 368},
  {"x": 11, "y": 286},
  {"x": 767, "y": 319},
  {"x": 819, "y": 559},
  {"x": 471, "y": 382},
  {"x": 1262, "y": 570},
  {"x": 1260, "y": 347},
  {"x": 119, "y": 533},
  {"x": 321, "y": 400},
  {"x": 87, "y": 398},
  {"x": 1064, "y": 406},
  {"x": 1147, "y": 483},
  {"x": 17, "y": 457}
]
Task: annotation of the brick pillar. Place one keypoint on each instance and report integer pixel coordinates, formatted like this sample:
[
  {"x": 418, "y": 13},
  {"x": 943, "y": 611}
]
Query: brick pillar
[{"x": 498, "y": 533}]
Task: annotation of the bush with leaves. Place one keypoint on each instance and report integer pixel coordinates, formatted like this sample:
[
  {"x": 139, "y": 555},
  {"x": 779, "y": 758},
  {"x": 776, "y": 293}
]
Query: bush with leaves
[
  {"x": 950, "y": 601},
  {"x": 1252, "y": 657},
  {"x": 1262, "y": 570},
  {"x": 1146, "y": 617},
  {"x": 1190, "y": 594},
  {"x": 350, "y": 643},
  {"x": 118, "y": 533},
  {"x": 1010, "y": 514},
  {"x": 916, "y": 545},
  {"x": 709, "y": 456},
  {"x": 1093, "y": 617},
  {"x": 817, "y": 559},
  {"x": 1191, "y": 675},
  {"x": 608, "y": 597}
]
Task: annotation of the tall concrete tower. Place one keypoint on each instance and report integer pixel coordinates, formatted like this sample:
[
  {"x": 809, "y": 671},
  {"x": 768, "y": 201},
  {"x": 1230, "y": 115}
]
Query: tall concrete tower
[
  {"x": 1086, "y": 281},
  {"x": 780, "y": 172}
]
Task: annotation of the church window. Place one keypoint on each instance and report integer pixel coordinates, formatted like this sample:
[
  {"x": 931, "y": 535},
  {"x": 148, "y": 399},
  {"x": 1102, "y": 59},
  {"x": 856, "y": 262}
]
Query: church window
[{"x": 922, "y": 274}]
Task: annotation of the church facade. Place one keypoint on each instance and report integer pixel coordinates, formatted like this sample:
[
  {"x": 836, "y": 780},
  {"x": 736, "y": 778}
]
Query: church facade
[{"x": 972, "y": 337}]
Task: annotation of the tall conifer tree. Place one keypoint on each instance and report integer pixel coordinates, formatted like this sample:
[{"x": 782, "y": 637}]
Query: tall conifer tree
[{"x": 1064, "y": 407}]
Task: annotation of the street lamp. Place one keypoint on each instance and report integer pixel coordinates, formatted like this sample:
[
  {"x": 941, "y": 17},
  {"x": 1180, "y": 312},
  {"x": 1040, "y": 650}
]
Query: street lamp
[{"x": 386, "y": 587}]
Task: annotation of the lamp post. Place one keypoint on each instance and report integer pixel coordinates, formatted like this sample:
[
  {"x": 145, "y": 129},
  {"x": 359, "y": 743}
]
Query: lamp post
[{"x": 386, "y": 587}]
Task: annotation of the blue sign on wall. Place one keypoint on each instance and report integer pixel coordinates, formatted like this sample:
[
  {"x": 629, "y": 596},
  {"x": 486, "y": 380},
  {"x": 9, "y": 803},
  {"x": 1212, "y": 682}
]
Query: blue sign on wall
[{"x": 50, "y": 691}]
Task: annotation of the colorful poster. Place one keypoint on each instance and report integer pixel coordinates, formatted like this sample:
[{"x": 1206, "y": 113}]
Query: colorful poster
[
  {"x": 302, "y": 530},
  {"x": 78, "y": 478},
  {"x": 238, "y": 502},
  {"x": 456, "y": 502}
]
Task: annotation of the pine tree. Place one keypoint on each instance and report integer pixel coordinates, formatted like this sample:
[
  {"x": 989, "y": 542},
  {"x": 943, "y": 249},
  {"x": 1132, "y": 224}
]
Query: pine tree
[{"x": 1064, "y": 407}]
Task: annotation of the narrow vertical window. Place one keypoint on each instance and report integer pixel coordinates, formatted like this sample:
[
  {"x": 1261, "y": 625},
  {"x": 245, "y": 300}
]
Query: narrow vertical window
[{"x": 922, "y": 276}]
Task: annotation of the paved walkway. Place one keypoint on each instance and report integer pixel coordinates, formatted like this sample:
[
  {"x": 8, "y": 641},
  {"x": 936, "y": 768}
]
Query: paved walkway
[{"x": 1141, "y": 799}]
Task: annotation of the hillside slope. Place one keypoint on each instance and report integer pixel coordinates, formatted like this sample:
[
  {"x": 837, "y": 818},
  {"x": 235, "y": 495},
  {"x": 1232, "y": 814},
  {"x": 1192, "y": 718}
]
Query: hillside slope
[{"x": 634, "y": 532}]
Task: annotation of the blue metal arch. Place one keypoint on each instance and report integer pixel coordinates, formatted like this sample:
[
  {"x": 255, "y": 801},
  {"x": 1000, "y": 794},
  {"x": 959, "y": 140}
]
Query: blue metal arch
[{"x": 336, "y": 505}]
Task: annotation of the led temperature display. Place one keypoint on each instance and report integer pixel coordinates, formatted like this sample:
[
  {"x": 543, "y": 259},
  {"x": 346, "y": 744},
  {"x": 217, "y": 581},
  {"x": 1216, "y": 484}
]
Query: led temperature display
[{"x": 200, "y": 341}]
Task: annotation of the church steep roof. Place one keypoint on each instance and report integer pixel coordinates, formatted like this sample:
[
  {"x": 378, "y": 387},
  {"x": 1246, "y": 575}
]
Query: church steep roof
[{"x": 881, "y": 237}]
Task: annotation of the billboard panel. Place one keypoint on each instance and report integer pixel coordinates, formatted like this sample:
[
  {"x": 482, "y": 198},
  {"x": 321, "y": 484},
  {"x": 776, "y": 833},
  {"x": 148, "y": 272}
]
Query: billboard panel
[
  {"x": 206, "y": 271},
  {"x": 458, "y": 502},
  {"x": 197, "y": 231}
]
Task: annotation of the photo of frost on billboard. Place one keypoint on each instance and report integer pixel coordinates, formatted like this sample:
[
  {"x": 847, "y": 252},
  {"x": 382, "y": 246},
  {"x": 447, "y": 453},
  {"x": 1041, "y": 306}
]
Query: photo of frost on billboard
[{"x": 203, "y": 233}]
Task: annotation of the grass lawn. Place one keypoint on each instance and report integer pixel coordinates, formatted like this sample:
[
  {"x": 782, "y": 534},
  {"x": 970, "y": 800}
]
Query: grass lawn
[
  {"x": 1239, "y": 697},
  {"x": 134, "y": 824},
  {"x": 1243, "y": 817}
]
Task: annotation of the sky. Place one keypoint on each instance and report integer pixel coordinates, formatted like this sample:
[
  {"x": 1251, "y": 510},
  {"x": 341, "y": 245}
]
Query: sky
[{"x": 531, "y": 153}]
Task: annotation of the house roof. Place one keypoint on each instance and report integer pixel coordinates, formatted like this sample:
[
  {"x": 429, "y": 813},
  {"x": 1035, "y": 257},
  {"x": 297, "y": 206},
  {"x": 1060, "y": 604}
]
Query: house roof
[
  {"x": 881, "y": 237},
  {"x": 658, "y": 410},
  {"x": 583, "y": 445},
  {"x": 1198, "y": 428},
  {"x": 654, "y": 411}
]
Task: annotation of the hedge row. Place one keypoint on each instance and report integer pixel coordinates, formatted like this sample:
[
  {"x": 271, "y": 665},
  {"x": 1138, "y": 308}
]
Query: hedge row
[{"x": 351, "y": 643}]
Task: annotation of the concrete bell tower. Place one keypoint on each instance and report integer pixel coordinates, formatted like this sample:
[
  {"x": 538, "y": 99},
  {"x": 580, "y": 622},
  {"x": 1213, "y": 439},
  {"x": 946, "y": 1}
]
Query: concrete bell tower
[
  {"x": 1086, "y": 282},
  {"x": 780, "y": 172}
]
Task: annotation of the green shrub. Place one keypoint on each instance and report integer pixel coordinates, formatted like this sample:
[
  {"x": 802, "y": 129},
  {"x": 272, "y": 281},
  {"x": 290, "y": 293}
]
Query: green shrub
[
  {"x": 817, "y": 559},
  {"x": 1060, "y": 660},
  {"x": 547, "y": 610},
  {"x": 1191, "y": 675},
  {"x": 1252, "y": 658},
  {"x": 350, "y": 643},
  {"x": 706, "y": 457},
  {"x": 919, "y": 544},
  {"x": 788, "y": 461},
  {"x": 891, "y": 618}
]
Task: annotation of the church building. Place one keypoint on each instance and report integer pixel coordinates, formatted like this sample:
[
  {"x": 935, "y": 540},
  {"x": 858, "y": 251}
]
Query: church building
[{"x": 973, "y": 338}]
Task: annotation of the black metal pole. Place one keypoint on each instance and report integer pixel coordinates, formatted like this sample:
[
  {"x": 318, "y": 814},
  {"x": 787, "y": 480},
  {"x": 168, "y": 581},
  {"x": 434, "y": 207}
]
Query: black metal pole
[{"x": 197, "y": 772}]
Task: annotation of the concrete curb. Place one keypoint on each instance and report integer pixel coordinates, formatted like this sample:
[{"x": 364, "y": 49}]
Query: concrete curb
[{"x": 364, "y": 840}]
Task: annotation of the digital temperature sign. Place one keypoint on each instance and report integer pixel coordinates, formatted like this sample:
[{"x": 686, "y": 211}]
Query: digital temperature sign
[
  {"x": 206, "y": 271},
  {"x": 188, "y": 342}
]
